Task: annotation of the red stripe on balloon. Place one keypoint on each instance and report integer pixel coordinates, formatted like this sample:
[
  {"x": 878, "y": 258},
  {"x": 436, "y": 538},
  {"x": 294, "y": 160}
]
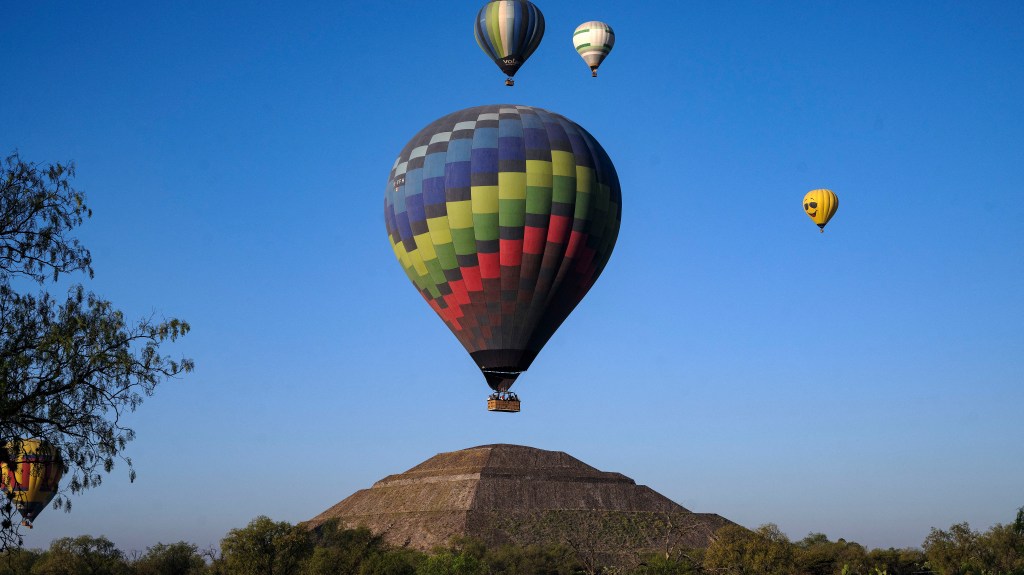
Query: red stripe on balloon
[
  {"x": 489, "y": 266},
  {"x": 558, "y": 228},
  {"x": 511, "y": 252},
  {"x": 453, "y": 304},
  {"x": 459, "y": 289},
  {"x": 576, "y": 240},
  {"x": 472, "y": 277},
  {"x": 533, "y": 240}
]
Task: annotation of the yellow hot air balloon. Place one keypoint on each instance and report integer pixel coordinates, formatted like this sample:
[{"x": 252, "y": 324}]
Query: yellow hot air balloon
[
  {"x": 31, "y": 478},
  {"x": 820, "y": 206}
]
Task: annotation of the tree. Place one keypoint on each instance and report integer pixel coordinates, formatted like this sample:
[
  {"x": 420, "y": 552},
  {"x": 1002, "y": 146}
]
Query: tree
[
  {"x": 340, "y": 550},
  {"x": 953, "y": 552},
  {"x": 69, "y": 370},
  {"x": 266, "y": 547},
  {"x": 451, "y": 563},
  {"x": 1002, "y": 550},
  {"x": 661, "y": 565},
  {"x": 180, "y": 558},
  {"x": 532, "y": 560},
  {"x": 391, "y": 562},
  {"x": 18, "y": 560},
  {"x": 738, "y": 551},
  {"x": 897, "y": 561},
  {"x": 85, "y": 554}
]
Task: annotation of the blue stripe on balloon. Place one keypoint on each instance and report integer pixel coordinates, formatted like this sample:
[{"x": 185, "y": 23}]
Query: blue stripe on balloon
[
  {"x": 485, "y": 138},
  {"x": 433, "y": 165},
  {"x": 389, "y": 219},
  {"x": 414, "y": 203},
  {"x": 535, "y": 138},
  {"x": 509, "y": 126},
  {"x": 404, "y": 228},
  {"x": 511, "y": 149},
  {"x": 483, "y": 38},
  {"x": 433, "y": 191},
  {"x": 457, "y": 174},
  {"x": 458, "y": 150},
  {"x": 485, "y": 160}
]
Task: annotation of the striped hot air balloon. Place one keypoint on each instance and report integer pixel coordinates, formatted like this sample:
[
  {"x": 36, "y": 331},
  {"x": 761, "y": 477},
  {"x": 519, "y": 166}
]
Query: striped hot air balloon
[
  {"x": 503, "y": 217},
  {"x": 593, "y": 40},
  {"x": 31, "y": 478},
  {"x": 509, "y": 31},
  {"x": 820, "y": 206}
]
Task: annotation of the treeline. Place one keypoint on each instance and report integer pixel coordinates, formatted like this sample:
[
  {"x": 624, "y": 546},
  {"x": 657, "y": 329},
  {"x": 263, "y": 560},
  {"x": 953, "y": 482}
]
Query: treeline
[{"x": 266, "y": 547}]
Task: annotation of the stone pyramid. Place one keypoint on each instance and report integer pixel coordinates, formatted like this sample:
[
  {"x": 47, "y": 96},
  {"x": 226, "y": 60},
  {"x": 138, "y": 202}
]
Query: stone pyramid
[{"x": 511, "y": 494}]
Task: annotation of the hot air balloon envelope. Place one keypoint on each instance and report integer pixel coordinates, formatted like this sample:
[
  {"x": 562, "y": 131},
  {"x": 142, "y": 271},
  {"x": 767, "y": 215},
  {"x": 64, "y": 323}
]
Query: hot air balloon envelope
[
  {"x": 503, "y": 217},
  {"x": 593, "y": 40},
  {"x": 820, "y": 205},
  {"x": 32, "y": 477},
  {"x": 509, "y": 31}
]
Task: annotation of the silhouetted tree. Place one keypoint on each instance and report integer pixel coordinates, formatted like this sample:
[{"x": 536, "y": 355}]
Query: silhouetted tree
[{"x": 69, "y": 369}]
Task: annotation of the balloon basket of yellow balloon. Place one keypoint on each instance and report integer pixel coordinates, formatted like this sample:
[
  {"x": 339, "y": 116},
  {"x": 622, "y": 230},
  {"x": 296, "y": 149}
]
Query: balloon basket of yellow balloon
[{"x": 506, "y": 402}]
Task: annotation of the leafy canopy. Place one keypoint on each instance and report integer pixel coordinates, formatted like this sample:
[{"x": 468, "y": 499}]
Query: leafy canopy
[{"x": 72, "y": 366}]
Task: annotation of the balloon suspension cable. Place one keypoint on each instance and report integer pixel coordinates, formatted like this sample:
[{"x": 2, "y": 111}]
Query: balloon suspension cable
[
  {"x": 504, "y": 396},
  {"x": 509, "y": 81}
]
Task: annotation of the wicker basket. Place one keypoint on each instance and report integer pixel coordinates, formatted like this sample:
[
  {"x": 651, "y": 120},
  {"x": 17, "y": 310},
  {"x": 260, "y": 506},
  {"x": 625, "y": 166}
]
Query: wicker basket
[{"x": 507, "y": 405}]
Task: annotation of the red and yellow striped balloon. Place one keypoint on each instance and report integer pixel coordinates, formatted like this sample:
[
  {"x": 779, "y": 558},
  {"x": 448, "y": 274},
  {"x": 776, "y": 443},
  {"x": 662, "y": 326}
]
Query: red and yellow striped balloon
[{"x": 32, "y": 476}]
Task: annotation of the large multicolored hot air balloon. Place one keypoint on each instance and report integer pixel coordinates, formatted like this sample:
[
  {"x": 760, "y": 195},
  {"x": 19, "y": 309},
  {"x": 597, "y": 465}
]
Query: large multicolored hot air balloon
[
  {"x": 820, "y": 206},
  {"x": 593, "y": 40},
  {"x": 509, "y": 31},
  {"x": 32, "y": 477},
  {"x": 503, "y": 217}
]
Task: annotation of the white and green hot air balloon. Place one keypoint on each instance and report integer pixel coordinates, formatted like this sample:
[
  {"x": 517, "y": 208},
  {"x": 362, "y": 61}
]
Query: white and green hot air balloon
[{"x": 593, "y": 40}]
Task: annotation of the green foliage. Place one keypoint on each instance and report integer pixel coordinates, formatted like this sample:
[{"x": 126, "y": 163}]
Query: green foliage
[
  {"x": 736, "y": 550},
  {"x": 83, "y": 555},
  {"x": 339, "y": 550},
  {"x": 1003, "y": 550},
  {"x": 38, "y": 210},
  {"x": 265, "y": 547},
  {"x": 69, "y": 369},
  {"x": 175, "y": 559},
  {"x": 954, "y": 552},
  {"x": 531, "y": 560},
  {"x": 391, "y": 562},
  {"x": 449, "y": 563},
  {"x": 18, "y": 561},
  {"x": 963, "y": 551},
  {"x": 896, "y": 561},
  {"x": 660, "y": 565}
]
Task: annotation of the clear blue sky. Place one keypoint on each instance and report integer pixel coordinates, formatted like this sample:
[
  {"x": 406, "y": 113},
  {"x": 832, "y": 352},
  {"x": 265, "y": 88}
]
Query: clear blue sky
[{"x": 866, "y": 382}]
